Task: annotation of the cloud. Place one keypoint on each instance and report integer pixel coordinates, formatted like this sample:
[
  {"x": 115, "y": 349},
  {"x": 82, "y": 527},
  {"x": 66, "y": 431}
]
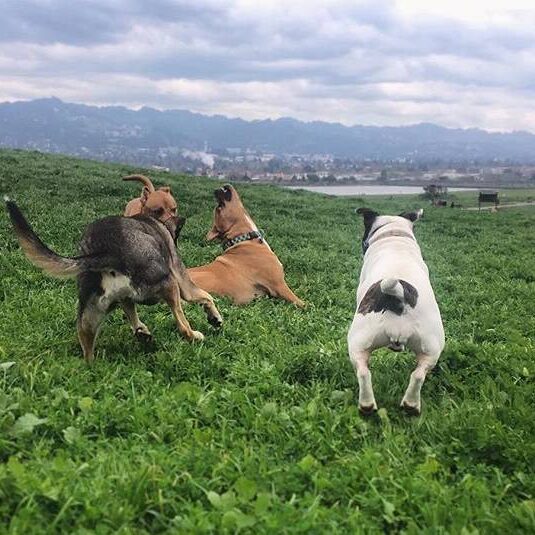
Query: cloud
[{"x": 382, "y": 62}]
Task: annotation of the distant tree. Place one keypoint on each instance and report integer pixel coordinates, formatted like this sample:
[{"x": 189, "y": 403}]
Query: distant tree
[
  {"x": 234, "y": 177},
  {"x": 313, "y": 177},
  {"x": 274, "y": 165},
  {"x": 384, "y": 175}
]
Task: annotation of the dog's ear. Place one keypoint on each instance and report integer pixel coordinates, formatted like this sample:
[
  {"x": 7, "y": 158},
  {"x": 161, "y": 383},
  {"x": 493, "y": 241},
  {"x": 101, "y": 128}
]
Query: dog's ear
[
  {"x": 414, "y": 215},
  {"x": 369, "y": 218},
  {"x": 145, "y": 192},
  {"x": 368, "y": 214},
  {"x": 165, "y": 189}
]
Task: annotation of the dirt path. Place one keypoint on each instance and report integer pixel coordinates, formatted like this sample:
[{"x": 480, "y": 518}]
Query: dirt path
[{"x": 501, "y": 206}]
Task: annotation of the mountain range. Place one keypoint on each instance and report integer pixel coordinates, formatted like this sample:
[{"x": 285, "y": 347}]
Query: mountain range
[{"x": 56, "y": 126}]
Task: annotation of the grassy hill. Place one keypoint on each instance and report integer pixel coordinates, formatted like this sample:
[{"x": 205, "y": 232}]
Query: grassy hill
[{"x": 256, "y": 429}]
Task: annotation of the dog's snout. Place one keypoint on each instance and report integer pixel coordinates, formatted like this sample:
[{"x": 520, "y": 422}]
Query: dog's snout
[
  {"x": 227, "y": 191},
  {"x": 223, "y": 194},
  {"x": 219, "y": 195}
]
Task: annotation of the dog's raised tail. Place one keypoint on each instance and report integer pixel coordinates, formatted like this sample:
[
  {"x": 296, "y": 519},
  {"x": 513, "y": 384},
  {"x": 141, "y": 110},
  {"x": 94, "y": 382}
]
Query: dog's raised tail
[
  {"x": 392, "y": 287},
  {"x": 36, "y": 251},
  {"x": 145, "y": 180}
]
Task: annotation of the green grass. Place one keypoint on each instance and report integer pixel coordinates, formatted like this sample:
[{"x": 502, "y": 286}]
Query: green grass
[{"x": 256, "y": 429}]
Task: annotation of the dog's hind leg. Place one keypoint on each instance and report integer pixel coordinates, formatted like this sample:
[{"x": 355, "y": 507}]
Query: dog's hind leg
[
  {"x": 411, "y": 400},
  {"x": 283, "y": 291},
  {"x": 88, "y": 324},
  {"x": 140, "y": 330},
  {"x": 359, "y": 359},
  {"x": 173, "y": 300},
  {"x": 191, "y": 293}
]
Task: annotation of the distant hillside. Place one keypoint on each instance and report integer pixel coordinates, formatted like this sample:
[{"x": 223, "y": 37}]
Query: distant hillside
[{"x": 56, "y": 126}]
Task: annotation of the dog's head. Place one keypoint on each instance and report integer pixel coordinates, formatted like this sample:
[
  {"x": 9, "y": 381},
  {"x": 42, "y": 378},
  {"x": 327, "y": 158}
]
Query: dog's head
[
  {"x": 373, "y": 222},
  {"x": 159, "y": 203},
  {"x": 230, "y": 216}
]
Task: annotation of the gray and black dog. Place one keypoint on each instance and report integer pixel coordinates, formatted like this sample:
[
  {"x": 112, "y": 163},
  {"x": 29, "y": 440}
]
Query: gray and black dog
[{"x": 123, "y": 261}]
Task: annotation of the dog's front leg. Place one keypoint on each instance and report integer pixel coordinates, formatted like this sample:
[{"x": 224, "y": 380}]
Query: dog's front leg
[
  {"x": 173, "y": 300},
  {"x": 411, "y": 401},
  {"x": 359, "y": 359},
  {"x": 194, "y": 294}
]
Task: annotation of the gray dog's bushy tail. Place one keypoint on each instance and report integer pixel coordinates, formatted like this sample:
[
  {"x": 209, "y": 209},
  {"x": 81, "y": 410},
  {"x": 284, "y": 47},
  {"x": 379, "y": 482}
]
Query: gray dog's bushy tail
[
  {"x": 36, "y": 251},
  {"x": 43, "y": 257}
]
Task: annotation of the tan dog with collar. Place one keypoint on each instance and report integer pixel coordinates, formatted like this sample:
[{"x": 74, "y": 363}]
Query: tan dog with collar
[
  {"x": 158, "y": 203},
  {"x": 248, "y": 268}
]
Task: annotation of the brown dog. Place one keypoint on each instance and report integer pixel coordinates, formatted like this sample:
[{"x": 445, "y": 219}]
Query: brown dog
[
  {"x": 248, "y": 268},
  {"x": 158, "y": 203}
]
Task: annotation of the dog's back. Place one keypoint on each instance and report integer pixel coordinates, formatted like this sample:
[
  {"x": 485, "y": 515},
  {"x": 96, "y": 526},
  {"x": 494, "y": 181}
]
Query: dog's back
[
  {"x": 395, "y": 293},
  {"x": 140, "y": 248},
  {"x": 135, "y": 246}
]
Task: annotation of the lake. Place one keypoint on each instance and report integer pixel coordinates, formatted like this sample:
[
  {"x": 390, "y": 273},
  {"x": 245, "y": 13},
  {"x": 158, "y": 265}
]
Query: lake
[{"x": 356, "y": 190}]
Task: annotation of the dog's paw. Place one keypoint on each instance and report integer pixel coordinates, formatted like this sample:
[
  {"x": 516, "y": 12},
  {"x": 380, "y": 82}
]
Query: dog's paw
[
  {"x": 368, "y": 409},
  {"x": 197, "y": 336},
  {"x": 412, "y": 409},
  {"x": 143, "y": 335},
  {"x": 215, "y": 321}
]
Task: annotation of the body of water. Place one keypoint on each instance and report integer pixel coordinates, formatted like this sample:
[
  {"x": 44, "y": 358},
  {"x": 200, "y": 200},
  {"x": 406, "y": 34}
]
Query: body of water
[{"x": 356, "y": 190}]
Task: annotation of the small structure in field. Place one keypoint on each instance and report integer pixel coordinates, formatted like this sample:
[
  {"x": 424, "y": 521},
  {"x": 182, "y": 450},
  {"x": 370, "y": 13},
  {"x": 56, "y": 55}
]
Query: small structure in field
[
  {"x": 488, "y": 196},
  {"x": 437, "y": 193}
]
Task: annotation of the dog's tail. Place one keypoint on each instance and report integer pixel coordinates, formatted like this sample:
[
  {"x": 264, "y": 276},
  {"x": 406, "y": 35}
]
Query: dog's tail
[
  {"x": 37, "y": 252},
  {"x": 405, "y": 294},
  {"x": 145, "y": 180},
  {"x": 392, "y": 287}
]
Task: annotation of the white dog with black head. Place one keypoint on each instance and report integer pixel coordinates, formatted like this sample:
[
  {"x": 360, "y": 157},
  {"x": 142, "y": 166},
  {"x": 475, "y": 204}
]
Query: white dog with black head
[{"x": 396, "y": 306}]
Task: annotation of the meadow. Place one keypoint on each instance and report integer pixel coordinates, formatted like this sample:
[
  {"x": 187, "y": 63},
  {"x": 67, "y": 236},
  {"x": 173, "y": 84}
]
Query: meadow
[{"x": 256, "y": 429}]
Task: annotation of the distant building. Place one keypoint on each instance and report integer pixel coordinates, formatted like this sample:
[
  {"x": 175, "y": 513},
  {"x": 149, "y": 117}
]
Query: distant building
[{"x": 160, "y": 168}]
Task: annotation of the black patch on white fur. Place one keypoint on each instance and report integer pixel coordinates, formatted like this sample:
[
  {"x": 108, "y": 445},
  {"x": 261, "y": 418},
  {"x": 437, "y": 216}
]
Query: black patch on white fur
[
  {"x": 376, "y": 301},
  {"x": 411, "y": 216}
]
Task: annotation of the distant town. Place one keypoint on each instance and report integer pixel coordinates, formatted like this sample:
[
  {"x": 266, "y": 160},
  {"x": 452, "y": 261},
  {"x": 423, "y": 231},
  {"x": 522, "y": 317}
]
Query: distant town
[{"x": 236, "y": 164}]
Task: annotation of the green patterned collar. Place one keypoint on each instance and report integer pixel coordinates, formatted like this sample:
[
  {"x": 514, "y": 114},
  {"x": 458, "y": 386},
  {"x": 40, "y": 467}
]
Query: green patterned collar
[{"x": 243, "y": 237}]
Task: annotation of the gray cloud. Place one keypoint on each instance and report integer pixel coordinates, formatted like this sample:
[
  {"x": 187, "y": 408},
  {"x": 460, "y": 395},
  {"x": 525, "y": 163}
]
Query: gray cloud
[{"x": 346, "y": 61}]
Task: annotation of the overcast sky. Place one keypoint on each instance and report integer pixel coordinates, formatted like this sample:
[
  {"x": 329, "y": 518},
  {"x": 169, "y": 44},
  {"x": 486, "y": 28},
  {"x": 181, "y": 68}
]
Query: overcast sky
[{"x": 458, "y": 63}]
